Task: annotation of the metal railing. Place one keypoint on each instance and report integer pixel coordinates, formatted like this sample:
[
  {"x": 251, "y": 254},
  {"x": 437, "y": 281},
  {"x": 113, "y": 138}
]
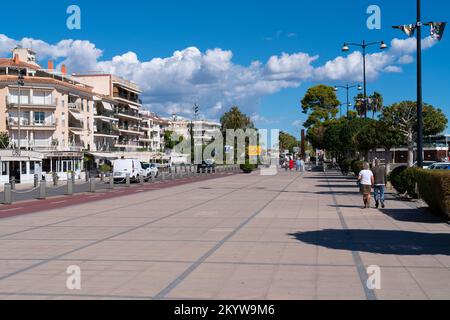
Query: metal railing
[{"x": 13, "y": 102}]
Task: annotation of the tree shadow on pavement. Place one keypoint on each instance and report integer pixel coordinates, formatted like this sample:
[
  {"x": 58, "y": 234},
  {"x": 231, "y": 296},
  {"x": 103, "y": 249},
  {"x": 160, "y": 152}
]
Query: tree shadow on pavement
[
  {"x": 379, "y": 241},
  {"x": 412, "y": 215}
]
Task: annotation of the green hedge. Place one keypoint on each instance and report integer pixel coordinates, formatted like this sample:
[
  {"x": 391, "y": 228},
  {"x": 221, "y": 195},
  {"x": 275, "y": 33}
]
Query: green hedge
[
  {"x": 248, "y": 168},
  {"x": 346, "y": 165},
  {"x": 434, "y": 188},
  {"x": 357, "y": 166},
  {"x": 394, "y": 178}
]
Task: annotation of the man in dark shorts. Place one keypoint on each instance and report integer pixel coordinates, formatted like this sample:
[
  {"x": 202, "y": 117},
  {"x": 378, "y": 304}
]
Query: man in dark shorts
[{"x": 380, "y": 178}]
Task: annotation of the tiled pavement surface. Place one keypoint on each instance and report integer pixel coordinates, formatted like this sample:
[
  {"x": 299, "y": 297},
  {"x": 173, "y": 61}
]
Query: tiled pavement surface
[{"x": 288, "y": 236}]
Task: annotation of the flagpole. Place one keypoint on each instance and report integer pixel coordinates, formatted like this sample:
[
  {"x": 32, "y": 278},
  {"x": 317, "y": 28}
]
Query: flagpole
[{"x": 419, "y": 89}]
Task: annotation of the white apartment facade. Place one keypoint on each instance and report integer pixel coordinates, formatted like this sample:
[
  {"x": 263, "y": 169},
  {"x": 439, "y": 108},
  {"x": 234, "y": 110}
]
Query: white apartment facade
[
  {"x": 203, "y": 130},
  {"x": 124, "y": 97},
  {"x": 51, "y": 113}
]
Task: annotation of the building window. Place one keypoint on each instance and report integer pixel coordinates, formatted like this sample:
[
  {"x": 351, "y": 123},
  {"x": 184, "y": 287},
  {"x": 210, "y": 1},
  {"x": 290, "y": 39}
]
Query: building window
[
  {"x": 4, "y": 168},
  {"x": 32, "y": 167},
  {"x": 39, "y": 117},
  {"x": 24, "y": 167}
]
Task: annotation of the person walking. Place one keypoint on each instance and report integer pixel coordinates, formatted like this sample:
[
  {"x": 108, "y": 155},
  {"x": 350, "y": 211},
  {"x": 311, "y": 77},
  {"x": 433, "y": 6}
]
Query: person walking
[
  {"x": 366, "y": 181},
  {"x": 380, "y": 178},
  {"x": 297, "y": 164},
  {"x": 291, "y": 164},
  {"x": 302, "y": 165}
]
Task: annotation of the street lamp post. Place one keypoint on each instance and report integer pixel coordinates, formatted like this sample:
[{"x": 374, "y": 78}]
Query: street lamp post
[
  {"x": 347, "y": 87},
  {"x": 364, "y": 45},
  {"x": 20, "y": 83},
  {"x": 419, "y": 89}
]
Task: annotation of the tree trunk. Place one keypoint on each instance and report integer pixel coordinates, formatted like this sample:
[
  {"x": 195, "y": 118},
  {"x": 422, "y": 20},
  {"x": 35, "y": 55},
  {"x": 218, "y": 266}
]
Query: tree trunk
[
  {"x": 410, "y": 156},
  {"x": 388, "y": 159}
]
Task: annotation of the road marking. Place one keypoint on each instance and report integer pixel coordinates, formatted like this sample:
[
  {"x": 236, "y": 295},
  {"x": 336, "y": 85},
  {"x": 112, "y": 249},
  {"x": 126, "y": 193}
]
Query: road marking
[
  {"x": 58, "y": 202},
  {"x": 370, "y": 294},
  {"x": 13, "y": 209}
]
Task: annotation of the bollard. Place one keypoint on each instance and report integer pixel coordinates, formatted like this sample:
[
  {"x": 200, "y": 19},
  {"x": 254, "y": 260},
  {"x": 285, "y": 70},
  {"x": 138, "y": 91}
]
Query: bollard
[
  {"x": 69, "y": 190},
  {"x": 92, "y": 185},
  {"x": 141, "y": 180},
  {"x": 36, "y": 181},
  {"x": 7, "y": 194},
  {"x": 13, "y": 184},
  {"x": 73, "y": 177},
  {"x": 127, "y": 180},
  {"x": 102, "y": 176},
  {"x": 172, "y": 176},
  {"x": 42, "y": 190},
  {"x": 153, "y": 177},
  {"x": 111, "y": 182},
  {"x": 86, "y": 176},
  {"x": 163, "y": 176}
]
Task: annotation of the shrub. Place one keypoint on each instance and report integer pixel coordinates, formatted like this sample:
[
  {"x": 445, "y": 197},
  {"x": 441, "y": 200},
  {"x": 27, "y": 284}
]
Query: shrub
[
  {"x": 357, "y": 166},
  {"x": 104, "y": 168},
  {"x": 346, "y": 165},
  {"x": 434, "y": 188},
  {"x": 248, "y": 168},
  {"x": 408, "y": 181},
  {"x": 394, "y": 178}
]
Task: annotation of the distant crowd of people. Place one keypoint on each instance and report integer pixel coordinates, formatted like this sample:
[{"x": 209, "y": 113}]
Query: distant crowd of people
[{"x": 289, "y": 164}]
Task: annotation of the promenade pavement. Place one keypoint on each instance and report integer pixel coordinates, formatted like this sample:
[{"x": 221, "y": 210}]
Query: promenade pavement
[{"x": 288, "y": 236}]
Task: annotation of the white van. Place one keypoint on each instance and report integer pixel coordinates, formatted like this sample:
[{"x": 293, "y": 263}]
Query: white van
[{"x": 133, "y": 167}]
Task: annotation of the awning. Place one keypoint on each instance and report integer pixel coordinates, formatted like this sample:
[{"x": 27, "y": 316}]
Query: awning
[
  {"x": 106, "y": 156},
  {"x": 76, "y": 132},
  {"x": 108, "y": 106},
  {"x": 77, "y": 115}
]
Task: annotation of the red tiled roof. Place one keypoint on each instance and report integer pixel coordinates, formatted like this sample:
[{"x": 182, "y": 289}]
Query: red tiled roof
[{"x": 5, "y": 62}]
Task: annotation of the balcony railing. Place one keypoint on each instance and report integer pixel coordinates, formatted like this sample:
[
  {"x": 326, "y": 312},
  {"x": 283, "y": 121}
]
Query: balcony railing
[
  {"x": 13, "y": 102},
  {"x": 31, "y": 123},
  {"x": 127, "y": 97},
  {"x": 74, "y": 106},
  {"x": 128, "y": 113}
]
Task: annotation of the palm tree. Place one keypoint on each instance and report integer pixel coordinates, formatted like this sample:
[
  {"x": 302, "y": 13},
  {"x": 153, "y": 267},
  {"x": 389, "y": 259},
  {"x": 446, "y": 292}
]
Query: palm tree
[{"x": 376, "y": 104}]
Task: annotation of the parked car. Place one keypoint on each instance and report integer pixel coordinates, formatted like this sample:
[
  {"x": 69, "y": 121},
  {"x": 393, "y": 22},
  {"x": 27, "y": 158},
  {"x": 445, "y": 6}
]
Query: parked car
[
  {"x": 151, "y": 169},
  {"x": 440, "y": 166},
  {"x": 426, "y": 164},
  {"x": 133, "y": 167},
  {"x": 206, "y": 165}
]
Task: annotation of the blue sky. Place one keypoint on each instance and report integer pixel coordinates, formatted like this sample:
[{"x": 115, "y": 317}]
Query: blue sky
[{"x": 250, "y": 37}]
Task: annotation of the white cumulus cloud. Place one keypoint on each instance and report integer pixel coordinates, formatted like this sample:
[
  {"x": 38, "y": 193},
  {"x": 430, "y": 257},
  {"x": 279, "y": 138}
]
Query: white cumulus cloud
[{"x": 173, "y": 84}]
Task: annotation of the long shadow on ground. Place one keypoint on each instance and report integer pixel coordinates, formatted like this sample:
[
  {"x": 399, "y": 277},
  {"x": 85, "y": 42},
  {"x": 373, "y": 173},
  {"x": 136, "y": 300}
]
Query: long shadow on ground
[{"x": 379, "y": 241}]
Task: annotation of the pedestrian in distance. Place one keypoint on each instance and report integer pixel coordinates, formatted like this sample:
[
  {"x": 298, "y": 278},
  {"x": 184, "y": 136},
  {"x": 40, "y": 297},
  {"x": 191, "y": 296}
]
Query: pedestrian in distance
[
  {"x": 298, "y": 164},
  {"x": 291, "y": 164},
  {"x": 380, "y": 178},
  {"x": 366, "y": 181},
  {"x": 302, "y": 165}
]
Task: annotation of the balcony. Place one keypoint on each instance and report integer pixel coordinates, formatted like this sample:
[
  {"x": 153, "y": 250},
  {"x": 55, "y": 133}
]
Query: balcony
[
  {"x": 123, "y": 113},
  {"x": 12, "y": 102},
  {"x": 26, "y": 124},
  {"x": 75, "y": 106},
  {"x": 130, "y": 130}
]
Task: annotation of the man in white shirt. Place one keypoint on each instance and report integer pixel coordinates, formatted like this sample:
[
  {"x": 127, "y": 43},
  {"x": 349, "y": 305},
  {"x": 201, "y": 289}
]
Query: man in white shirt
[{"x": 366, "y": 181}]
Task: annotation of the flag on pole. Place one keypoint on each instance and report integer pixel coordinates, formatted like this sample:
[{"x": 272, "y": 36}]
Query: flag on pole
[
  {"x": 437, "y": 30},
  {"x": 409, "y": 29}
]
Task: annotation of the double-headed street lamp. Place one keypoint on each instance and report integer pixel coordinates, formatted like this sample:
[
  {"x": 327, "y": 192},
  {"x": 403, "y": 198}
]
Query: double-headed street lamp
[
  {"x": 364, "y": 45},
  {"x": 347, "y": 87}
]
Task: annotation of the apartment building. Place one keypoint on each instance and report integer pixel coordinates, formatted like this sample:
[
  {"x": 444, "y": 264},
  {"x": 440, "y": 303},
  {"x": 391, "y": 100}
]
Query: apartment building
[
  {"x": 124, "y": 97},
  {"x": 153, "y": 128},
  {"x": 203, "y": 130},
  {"x": 51, "y": 113},
  {"x": 106, "y": 125}
]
